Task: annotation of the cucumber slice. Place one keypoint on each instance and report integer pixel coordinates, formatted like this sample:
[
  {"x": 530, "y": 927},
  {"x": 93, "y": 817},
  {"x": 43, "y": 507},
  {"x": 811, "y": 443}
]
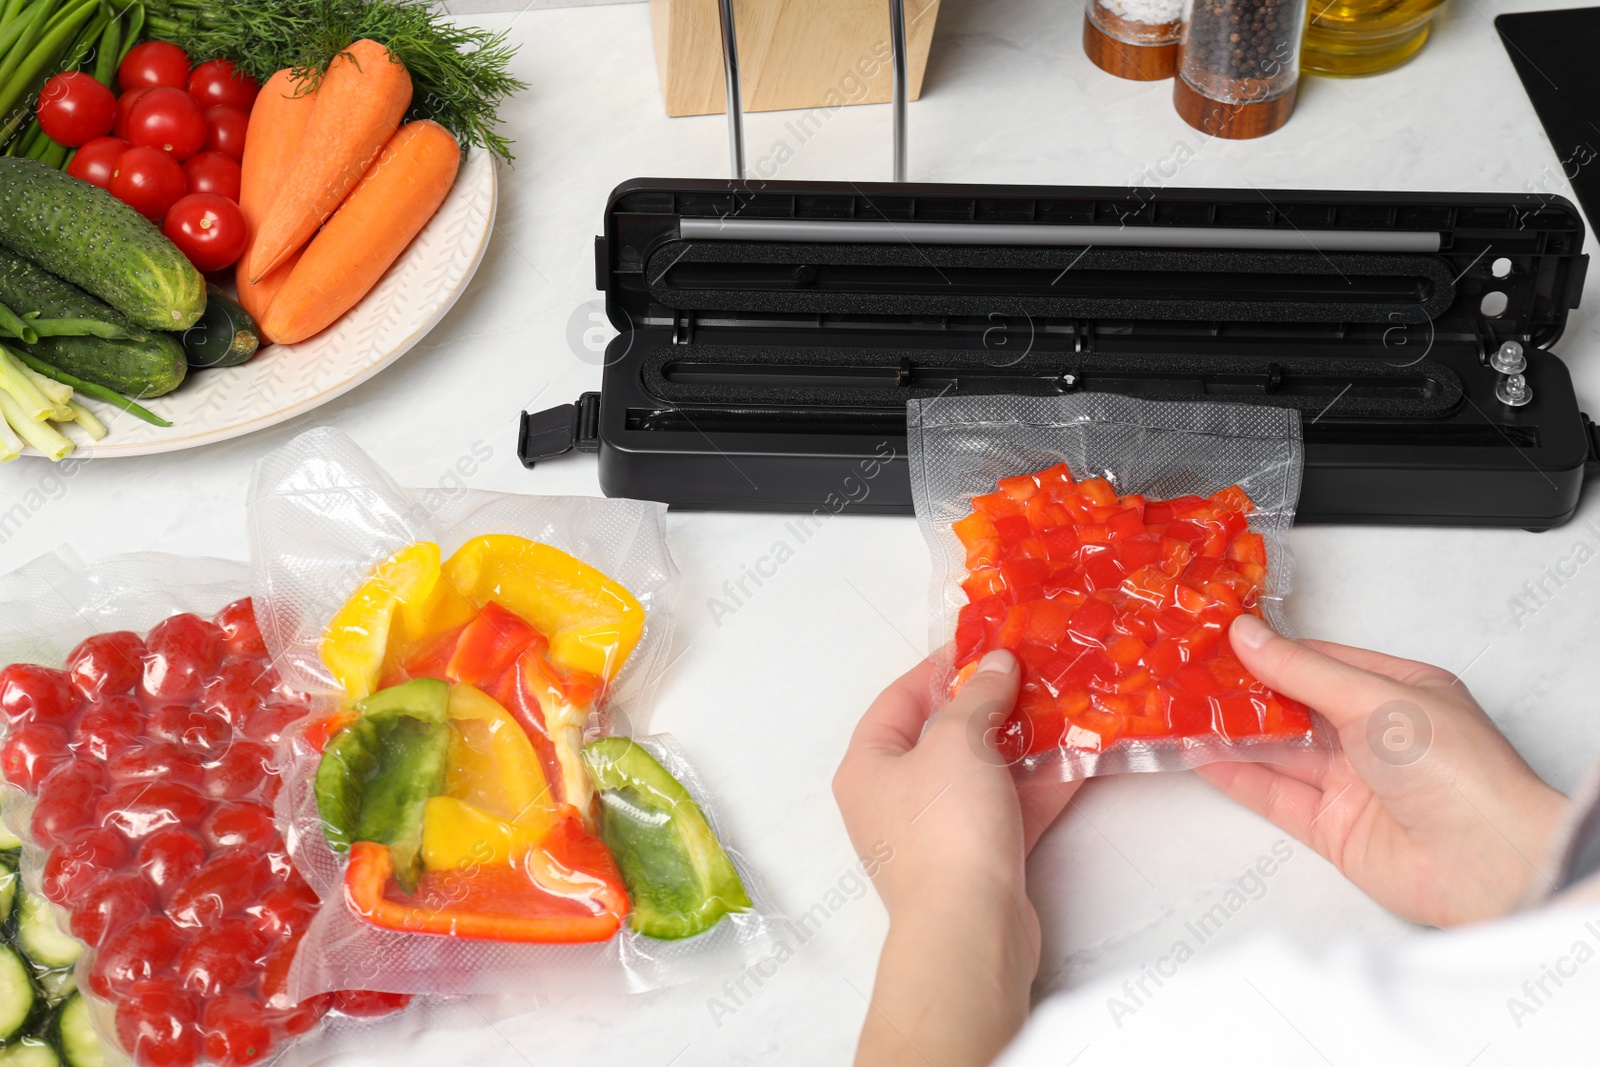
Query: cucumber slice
[
  {"x": 75, "y": 1035},
  {"x": 58, "y": 985},
  {"x": 9, "y": 881},
  {"x": 17, "y": 994},
  {"x": 40, "y": 936},
  {"x": 8, "y": 840},
  {"x": 29, "y": 1052}
]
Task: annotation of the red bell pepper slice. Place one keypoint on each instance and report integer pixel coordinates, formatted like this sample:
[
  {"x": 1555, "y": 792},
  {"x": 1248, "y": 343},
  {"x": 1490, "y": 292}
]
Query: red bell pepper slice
[
  {"x": 494, "y": 902},
  {"x": 489, "y": 645}
]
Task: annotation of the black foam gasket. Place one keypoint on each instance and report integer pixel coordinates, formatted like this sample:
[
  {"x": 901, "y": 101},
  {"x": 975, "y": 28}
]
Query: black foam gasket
[
  {"x": 1437, "y": 389},
  {"x": 1340, "y": 268}
]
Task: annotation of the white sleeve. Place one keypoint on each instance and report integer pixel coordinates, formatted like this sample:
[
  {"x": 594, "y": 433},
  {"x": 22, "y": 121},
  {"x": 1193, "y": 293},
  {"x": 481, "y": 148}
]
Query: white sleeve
[{"x": 1520, "y": 991}]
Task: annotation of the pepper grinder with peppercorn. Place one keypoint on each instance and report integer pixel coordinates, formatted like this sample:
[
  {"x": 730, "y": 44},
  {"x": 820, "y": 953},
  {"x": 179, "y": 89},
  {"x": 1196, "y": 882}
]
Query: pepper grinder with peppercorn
[{"x": 1239, "y": 65}]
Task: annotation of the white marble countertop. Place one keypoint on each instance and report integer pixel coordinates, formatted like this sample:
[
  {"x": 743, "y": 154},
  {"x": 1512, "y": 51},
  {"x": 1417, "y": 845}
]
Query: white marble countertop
[{"x": 765, "y": 701}]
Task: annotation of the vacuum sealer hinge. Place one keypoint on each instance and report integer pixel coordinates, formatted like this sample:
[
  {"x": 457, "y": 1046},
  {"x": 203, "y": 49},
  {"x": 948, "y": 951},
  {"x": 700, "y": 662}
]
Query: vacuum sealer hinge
[{"x": 556, "y": 431}]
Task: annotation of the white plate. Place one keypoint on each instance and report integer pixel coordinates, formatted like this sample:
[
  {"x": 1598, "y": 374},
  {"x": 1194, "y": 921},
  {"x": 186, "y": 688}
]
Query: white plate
[{"x": 288, "y": 380}]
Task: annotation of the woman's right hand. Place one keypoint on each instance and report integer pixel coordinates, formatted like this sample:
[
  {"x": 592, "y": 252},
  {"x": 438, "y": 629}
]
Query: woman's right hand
[{"x": 1427, "y": 808}]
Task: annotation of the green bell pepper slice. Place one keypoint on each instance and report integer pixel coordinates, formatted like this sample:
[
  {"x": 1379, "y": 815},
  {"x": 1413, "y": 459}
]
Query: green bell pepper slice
[
  {"x": 378, "y": 774},
  {"x": 679, "y": 879}
]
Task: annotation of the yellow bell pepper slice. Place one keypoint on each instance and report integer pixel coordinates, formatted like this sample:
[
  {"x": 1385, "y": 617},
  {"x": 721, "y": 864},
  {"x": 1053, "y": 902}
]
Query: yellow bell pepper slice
[
  {"x": 593, "y": 623},
  {"x": 356, "y": 640},
  {"x": 458, "y": 834},
  {"x": 492, "y": 764}
]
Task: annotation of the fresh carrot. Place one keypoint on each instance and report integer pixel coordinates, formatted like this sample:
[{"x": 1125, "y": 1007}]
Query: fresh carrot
[
  {"x": 256, "y": 298},
  {"x": 359, "y": 105},
  {"x": 277, "y": 124},
  {"x": 366, "y": 235}
]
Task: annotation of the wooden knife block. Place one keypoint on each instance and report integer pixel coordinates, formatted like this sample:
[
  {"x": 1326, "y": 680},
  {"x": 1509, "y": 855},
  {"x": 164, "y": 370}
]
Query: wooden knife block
[{"x": 792, "y": 53}]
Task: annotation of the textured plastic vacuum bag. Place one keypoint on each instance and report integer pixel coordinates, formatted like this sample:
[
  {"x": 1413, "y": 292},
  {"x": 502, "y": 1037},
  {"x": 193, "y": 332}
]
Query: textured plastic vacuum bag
[
  {"x": 140, "y": 773},
  {"x": 330, "y": 533},
  {"x": 1121, "y": 628}
]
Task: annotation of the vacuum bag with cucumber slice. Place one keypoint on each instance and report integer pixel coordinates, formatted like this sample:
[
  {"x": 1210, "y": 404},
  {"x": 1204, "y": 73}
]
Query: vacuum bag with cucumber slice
[
  {"x": 149, "y": 909},
  {"x": 473, "y": 798}
]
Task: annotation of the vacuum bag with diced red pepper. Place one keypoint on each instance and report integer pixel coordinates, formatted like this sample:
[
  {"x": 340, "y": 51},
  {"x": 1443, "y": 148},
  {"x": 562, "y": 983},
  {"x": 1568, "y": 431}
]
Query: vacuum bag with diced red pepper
[
  {"x": 1109, "y": 542},
  {"x": 151, "y": 909},
  {"x": 469, "y": 799}
]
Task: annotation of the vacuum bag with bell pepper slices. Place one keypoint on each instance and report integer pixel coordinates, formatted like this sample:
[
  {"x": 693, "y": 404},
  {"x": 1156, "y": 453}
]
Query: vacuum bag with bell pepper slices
[
  {"x": 1109, "y": 542},
  {"x": 469, "y": 798}
]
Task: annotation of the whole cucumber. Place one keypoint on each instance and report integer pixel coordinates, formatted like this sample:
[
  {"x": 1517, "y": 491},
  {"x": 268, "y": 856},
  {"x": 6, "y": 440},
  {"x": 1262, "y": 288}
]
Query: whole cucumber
[
  {"x": 147, "y": 363},
  {"x": 98, "y": 243}
]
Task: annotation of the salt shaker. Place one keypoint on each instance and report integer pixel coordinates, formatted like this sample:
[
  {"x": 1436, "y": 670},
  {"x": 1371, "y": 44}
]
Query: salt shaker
[
  {"x": 1136, "y": 39},
  {"x": 1239, "y": 65}
]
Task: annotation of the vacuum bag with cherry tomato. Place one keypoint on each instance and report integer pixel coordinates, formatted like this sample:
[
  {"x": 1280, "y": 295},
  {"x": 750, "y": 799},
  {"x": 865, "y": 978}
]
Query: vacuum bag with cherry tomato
[
  {"x": 1109, "y": 542},
  {"x": 158, "y": 910},
  {"x": 469, "y": 798}
]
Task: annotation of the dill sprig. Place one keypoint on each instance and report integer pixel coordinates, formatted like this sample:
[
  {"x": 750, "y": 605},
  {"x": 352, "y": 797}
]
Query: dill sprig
[{"x": 458, "y": 73}]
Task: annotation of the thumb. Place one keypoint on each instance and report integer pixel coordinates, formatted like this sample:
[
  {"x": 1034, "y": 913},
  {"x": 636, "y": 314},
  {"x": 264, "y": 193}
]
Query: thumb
[
  {"x": 975, "y": 715},
  {"x": 1343, "y": 693}
]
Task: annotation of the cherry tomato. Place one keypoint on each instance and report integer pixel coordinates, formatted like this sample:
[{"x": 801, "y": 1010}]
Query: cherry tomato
[
  {"x": 195, "y": 729},
  {"x": 94, "y": 162},
  {"x": 184, "y": 651},
  {"x": 225, "y": 131},
  {"x": 213, "y": 172},
  {"x": 239, "y": 824},
  {"x": 107, "y": 728},
  {"x": 107, "y": 663},
  {"x": 67, "y": 800},
  {"x": 139, "y": 809},
  {"x": 365, "y": 1003},
  {"x": 170, "y": 120},
  {"x": 209, "y": 229},
  {"x": 31, "y": 752},
  {"x": 141, "y": 949},
  {"x": 37, "y": 693},
  {"x": 154, "y": 761},
  {"x": 158, "y": 1024},
  {"x": 238, "y": 688},
  {"x": 78, "y": 860},
  {"x": 110, "y": 903},
  {"x": 284, "y": 912},
  {"x": 219, "y": 81},
  {"x": 236, "y": 1031},
  {"x": 274, "y": 984},
  {"x": 222, "y": 958},
  {"x": 168, "y": 857},
  {"x": 150, "y": 181},
  {"x": 154, "y": 63},
  {"x": 74, "y": 109},
  {"x": 224, "y": 885},
  {"x": 269, "y": 723},
  {"x": 239, "y": 771},
  {"x": 125, "y": 104},
  {"x": 239, "y": 629}
]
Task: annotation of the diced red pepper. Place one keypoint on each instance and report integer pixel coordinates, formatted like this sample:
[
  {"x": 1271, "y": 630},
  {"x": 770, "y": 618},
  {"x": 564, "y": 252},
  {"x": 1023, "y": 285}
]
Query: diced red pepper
[{"x": 1116, "y": 607}]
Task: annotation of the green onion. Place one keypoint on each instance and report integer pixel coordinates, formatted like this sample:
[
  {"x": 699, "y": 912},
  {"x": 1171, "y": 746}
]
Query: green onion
[
  {"x": 77, "y": 328},
  {"x": 41, "y": 435},
  {"x": 94, "y": 392},
  {"x": 85, "y": 418},
  {"x": 14, "y": 382},
  {"x": 12, "y": 325}
]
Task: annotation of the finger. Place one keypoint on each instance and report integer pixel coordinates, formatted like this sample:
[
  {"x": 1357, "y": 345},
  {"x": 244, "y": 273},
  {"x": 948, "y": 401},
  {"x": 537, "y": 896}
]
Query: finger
[
  {"x": 1342, "y": 691},
  {"x": 1404, "y": 671},
  {"x": 894, "y": 721},
  {"x": 1276, "y": 797},
  {"x": 989, "y": 694},
  {"x": 1042, "y": 803}
]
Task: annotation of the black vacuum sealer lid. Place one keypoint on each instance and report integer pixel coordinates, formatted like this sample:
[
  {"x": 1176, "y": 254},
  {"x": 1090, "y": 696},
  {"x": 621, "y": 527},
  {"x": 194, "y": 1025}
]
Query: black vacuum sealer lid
[{"x": 811, "y": 262}]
